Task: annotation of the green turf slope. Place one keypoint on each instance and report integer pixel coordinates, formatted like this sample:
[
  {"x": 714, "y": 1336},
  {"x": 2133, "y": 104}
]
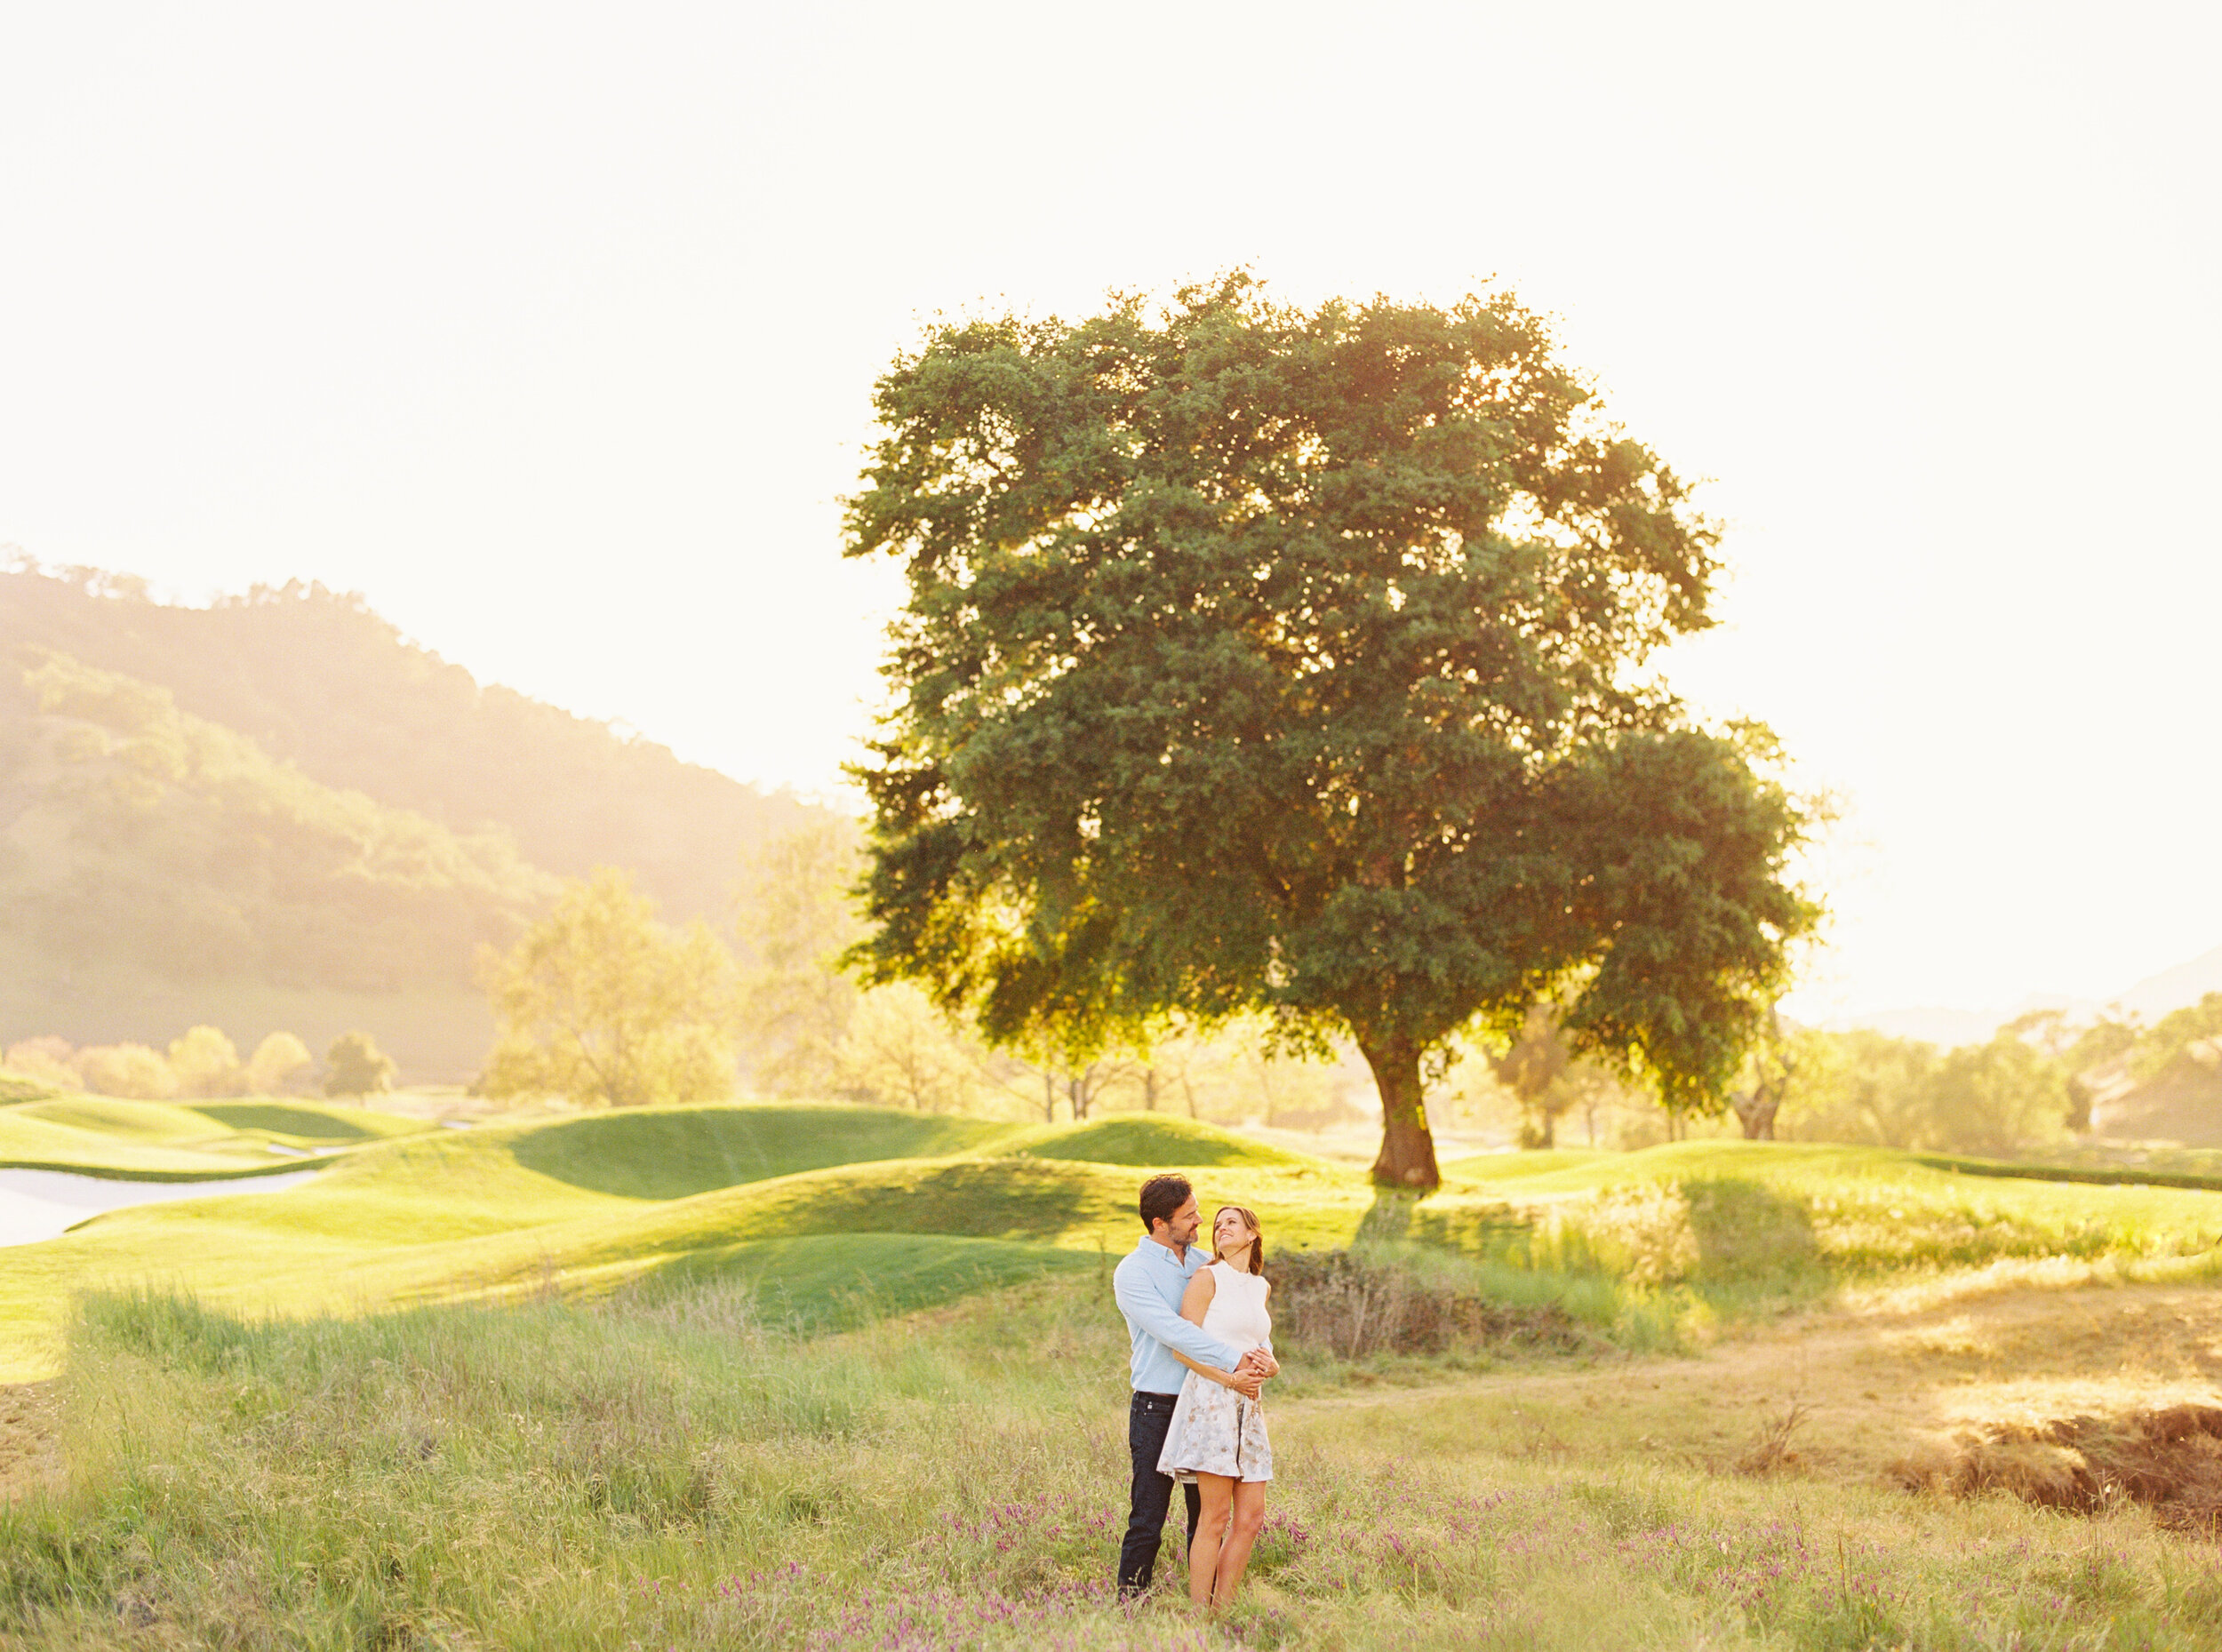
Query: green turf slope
[{"x": 1152, "y": 1140}]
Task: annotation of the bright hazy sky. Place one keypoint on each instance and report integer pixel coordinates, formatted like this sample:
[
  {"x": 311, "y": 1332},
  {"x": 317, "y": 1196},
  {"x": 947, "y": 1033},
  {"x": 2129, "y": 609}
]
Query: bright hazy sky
[{"x": 551, "y": 329}]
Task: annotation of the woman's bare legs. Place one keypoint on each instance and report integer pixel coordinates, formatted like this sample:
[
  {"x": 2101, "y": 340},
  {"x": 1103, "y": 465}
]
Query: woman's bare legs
[
  {"x": 1234, "y": 1553},
  {"x": 1210, "y": 1527}
]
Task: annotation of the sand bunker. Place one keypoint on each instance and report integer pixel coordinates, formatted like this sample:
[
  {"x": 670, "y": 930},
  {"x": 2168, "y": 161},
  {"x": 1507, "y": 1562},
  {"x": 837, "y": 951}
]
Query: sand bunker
[{"x": 40, "y": 1204}]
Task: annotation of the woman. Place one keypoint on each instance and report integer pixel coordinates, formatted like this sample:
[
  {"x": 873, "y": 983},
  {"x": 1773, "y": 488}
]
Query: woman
[{"x": 1217, "y": 1437}]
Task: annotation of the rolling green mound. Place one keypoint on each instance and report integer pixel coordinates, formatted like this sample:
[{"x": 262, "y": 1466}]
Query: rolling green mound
[
  {"x": 1505, "y": 1166},
  {"x": 1153, "y": 1139},
  {"x": 668, "y": 1153}
]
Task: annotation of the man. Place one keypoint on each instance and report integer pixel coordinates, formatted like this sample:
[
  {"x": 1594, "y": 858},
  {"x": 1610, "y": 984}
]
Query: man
[{"x": 1149, "y": 1286}]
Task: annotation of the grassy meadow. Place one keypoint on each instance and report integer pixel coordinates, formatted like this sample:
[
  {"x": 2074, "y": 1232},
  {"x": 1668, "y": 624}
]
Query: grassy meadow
[{"x": 805, "y": 1377}]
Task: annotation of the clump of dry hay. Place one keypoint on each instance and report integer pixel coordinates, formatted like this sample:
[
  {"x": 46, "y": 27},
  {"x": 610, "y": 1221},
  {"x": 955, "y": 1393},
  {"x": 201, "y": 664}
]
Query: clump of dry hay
[
  {"x": 2168, "y": 1460},
  {"x": 1771, "y": 1451}
]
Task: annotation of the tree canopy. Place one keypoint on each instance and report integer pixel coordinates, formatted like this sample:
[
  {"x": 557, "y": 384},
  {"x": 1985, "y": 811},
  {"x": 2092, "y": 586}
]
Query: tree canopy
[{"x": 1263, "y": 659}]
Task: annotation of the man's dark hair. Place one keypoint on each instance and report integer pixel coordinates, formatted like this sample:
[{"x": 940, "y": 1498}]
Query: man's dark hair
[{"x": 1162, "y": 1196}]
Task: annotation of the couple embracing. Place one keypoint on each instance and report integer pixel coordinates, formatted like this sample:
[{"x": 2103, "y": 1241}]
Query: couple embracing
[{"x": 1203, "y": 1349}]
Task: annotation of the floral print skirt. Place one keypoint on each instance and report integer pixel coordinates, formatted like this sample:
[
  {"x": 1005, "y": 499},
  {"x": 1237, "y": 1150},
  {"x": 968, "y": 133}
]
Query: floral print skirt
[{"x": 1216, "y": 1430}]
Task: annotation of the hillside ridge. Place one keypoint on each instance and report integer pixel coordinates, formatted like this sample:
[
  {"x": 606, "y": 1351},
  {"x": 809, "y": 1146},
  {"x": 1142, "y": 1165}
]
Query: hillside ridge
[{"x": 320, "y": 680}]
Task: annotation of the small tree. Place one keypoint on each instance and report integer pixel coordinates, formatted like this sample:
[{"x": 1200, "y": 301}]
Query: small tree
[
  {"x": 794, "y": 921},
  {"x": 599, "y": 1003},
  {"x": 900, "y": 1049},
  {"x": 46, "y": 1060},
  {"x": 354, "y": 1066},
  {"x": 280, "y": 1065},
  {"x": 206, "y": 1063}
]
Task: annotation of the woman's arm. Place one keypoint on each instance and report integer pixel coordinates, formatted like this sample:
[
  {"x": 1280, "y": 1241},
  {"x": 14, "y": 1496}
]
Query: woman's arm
[
  {"x": 1197, "y": 1298},
  {"x": 1225, "y": 1379},
  {"x": 1265, "y": 1350}
]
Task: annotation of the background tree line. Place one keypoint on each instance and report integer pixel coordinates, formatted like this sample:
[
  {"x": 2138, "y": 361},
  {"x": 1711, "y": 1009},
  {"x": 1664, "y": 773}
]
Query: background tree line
[
  {"x": 201, "y": 1064},
  {"x": 2040, "y": 1082},
  {"x": 602, "y": 1004}
]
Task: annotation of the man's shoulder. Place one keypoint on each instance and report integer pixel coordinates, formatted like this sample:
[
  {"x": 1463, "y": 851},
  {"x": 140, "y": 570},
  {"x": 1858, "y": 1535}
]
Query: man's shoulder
[{"x": 1131, "y": 1263}]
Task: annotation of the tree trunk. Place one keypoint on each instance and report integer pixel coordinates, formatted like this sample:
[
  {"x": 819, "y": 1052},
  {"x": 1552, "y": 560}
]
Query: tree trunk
[
  {"x": 1756, "y": 1113},
  {"x": 1149, "y": 1090},
  {"x": 1407, "y": 1151}
]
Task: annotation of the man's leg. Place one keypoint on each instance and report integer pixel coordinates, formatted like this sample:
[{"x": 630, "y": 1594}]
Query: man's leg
[{"x": 1147, "y": 1418}]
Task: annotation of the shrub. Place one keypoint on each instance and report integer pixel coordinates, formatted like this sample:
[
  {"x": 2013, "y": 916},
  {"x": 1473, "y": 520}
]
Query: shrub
[{"x": 354, "y": 1066}]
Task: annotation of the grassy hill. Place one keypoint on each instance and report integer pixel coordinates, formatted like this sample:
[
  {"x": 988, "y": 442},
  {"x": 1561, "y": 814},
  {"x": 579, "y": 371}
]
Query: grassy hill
[
  {"x": 320, "y": 682},
  {"x": 811, "y": 1205}
]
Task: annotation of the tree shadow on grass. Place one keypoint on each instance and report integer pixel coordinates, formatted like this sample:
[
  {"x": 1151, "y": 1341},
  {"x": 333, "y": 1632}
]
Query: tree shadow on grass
[
  {"x": 1749, "y": 1234},
  {"x": 1388, "y": 1219}
]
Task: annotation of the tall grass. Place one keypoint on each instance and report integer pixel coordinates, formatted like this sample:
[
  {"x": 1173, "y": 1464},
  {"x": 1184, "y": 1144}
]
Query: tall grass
[{"x": 675, "y": 1472}]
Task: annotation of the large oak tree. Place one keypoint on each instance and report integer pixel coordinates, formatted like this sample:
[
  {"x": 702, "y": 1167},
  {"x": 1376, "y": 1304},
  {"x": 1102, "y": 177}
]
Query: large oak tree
[{"x": 1260, "y": 659}]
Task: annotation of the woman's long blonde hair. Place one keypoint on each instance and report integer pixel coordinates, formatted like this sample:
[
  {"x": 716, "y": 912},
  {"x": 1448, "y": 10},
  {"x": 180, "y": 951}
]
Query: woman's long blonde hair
[{"x": 1257, "y": 1245}]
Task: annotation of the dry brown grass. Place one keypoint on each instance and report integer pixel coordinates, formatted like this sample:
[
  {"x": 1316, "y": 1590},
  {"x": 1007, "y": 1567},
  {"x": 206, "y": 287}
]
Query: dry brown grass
[
  {"x": 1876, "y": 1388},
  {"x": 1771, "y": 1451},
  {"x": 30, "y": 1441}
]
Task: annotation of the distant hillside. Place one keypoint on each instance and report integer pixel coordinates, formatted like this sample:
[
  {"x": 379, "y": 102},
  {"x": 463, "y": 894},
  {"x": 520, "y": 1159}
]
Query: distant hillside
[
  {"x": 2171, "y": 989},
  {"x": 136, "y": 832},
  {"x": 317, "y": 680},
  {"x": 157, "y": 869}
]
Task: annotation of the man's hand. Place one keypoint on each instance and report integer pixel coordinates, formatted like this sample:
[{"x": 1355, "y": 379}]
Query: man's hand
[{"x": 1250, "y": 1376}]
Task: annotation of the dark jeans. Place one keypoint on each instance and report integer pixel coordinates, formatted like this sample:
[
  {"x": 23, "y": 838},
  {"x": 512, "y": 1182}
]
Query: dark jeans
[{"x": 1147, "y": 1419}]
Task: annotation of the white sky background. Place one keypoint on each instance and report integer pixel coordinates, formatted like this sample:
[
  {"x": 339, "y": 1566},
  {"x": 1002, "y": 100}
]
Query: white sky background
[{"x": 552, "y": 331}]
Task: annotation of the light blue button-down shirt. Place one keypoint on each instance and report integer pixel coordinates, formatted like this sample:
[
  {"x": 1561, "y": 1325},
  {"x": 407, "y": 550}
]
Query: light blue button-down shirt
[{"x": 1149, "y": 1286}]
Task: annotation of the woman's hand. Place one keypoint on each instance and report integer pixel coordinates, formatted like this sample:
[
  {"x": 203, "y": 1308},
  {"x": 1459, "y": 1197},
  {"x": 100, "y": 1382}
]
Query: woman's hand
[{"x": 1245, "y": 1379}]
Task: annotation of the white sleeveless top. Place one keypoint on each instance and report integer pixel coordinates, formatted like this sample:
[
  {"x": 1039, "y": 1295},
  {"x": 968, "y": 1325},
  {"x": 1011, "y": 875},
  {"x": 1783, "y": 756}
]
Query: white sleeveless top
[{"x": 1237, "y": 1315}]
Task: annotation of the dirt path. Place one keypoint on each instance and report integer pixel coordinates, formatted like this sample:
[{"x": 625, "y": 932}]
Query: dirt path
[
  {"x": 30, "y": 1438},
  {"x": 1875, "y": 1387}
]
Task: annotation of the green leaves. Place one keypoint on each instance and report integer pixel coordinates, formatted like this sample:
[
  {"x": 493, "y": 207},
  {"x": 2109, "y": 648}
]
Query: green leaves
[{"x": 1256, "y": 657}]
